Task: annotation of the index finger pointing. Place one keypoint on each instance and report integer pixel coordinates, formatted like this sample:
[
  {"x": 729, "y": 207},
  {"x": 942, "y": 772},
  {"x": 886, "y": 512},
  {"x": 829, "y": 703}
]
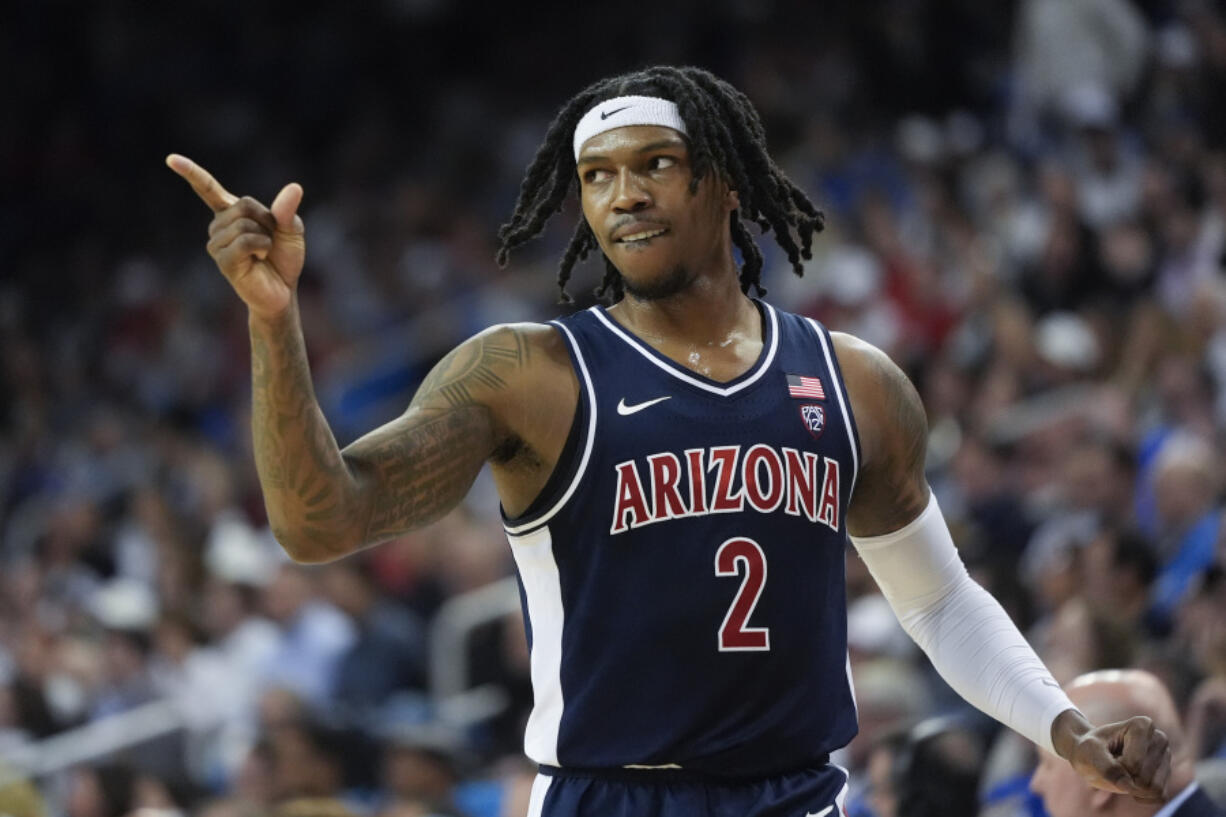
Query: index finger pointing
[{"x": 207, "y": 188}]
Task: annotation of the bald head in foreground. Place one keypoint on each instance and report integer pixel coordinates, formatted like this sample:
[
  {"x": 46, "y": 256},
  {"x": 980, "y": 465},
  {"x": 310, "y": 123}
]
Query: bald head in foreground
[{"x": 1111, "y": 695}]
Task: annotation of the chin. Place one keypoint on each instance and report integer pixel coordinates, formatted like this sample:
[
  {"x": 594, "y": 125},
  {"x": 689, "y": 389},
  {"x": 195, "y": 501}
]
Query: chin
[{"x": 654, "y": 287}]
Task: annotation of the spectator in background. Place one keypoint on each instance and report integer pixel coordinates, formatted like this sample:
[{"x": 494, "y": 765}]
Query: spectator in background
[
  {"x": 1186, "y": 484},
  {"x": 1109, "y": 695},
  {"x": 127, "y": 610},
  {"x": 422, "y": 767},
  {"x": 1063, "y": 44},
  {"x": 929, "y": 770},
  {"x": 313, "y": 635},
  {"x": 1107, "y": 172},
  {"x": 1202, "y": 631},
  {"x": 119, "y": 790},
  {"x": 388, "y": 654},
  {"x": 244, "y": 642},
  {"x": 307, "y": 761},
  {"x": 1120, "y": 567}
]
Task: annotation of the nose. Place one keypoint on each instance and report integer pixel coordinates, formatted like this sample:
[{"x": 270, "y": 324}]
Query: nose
[{"x": 631, "y": 196}]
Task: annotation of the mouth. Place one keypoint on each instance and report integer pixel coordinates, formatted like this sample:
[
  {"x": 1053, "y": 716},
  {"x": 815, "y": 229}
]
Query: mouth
[{"x": 641, "y": 237}]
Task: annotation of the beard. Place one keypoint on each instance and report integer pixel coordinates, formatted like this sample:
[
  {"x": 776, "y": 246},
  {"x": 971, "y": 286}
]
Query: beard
[{"x": 676, "y": 281}]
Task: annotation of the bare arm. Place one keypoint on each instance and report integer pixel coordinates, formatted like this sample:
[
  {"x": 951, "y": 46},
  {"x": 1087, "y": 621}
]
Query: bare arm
[
  {"x": 323, "y": 502},
  {"x": 891, "y": 492},
  {"x": 419, "y": 466},
  {"x": 891, "y": 489}
]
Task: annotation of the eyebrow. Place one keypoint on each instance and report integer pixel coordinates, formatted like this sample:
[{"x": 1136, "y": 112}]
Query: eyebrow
[{"x": 659, "y": 144}]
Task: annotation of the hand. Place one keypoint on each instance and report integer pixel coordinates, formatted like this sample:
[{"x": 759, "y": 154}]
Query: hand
[
  {"x": 260, "y": 250},
  {"x": 1129, "y": 757}
]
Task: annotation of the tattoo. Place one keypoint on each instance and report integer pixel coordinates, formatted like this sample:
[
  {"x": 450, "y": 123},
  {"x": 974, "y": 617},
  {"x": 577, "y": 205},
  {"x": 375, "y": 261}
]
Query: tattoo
[
  {"x": 422, "y": 471},
  {"x": 905, "y": 413},
  {"x": 323, "y": 502},
  {"x": 424, "y": 466},
  {"x": 306, "y": 482},
  {"x": 476, "y": 364},
  {"x": 892, "y": 490}
]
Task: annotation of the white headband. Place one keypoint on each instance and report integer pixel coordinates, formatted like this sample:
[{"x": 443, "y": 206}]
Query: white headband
[{"x": 622, "y": 111}]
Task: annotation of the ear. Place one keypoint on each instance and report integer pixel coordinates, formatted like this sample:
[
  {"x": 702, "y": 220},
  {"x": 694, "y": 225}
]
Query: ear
[
  {"x": 732, "y": 200},
  {"x": 1101, "y": 800}
]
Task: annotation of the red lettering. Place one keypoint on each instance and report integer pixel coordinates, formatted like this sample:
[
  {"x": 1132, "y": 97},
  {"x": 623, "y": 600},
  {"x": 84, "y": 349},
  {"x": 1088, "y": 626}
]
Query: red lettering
[
  {"x": 763, "y": 493},
  {"x": 665, "y": 474},
  {"x": 630, "y": 510},
  {"x": 802, "y": 483},
  {"x": 723, "y": 459},
  {"x": 698, "y": 480},
  {"x": 828, "y": 513}
]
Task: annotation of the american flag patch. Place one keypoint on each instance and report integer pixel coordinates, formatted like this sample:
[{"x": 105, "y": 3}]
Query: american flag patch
[{"x": 801, "y": 386}]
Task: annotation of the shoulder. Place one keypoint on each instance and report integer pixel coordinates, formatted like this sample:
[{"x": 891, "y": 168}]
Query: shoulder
[
  {"x": 503, "y": 365},
  {"x": 513, "y": 350},
  {"x": 883, "y": 398},
  {"x": 893, "y": 428},
  {"x": 523, "y": 342}
]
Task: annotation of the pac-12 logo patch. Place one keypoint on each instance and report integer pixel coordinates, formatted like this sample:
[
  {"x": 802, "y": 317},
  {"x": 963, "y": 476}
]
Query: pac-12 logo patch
[{"x": 814, "y": 418}]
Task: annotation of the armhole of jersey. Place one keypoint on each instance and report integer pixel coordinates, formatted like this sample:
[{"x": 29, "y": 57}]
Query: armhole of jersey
[
  {"x": 576, "y": 453},
  {"x": 849, "y": 421},
  {"x": 560, "y": 478}
]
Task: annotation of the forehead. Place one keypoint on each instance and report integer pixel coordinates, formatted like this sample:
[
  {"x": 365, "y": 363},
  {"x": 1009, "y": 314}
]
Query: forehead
[{"x": 630, "y": 139}]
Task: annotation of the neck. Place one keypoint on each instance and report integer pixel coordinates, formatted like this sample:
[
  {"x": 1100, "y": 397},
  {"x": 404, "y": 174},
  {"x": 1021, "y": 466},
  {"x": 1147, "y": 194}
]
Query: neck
[{"x": 708, "y": 311}]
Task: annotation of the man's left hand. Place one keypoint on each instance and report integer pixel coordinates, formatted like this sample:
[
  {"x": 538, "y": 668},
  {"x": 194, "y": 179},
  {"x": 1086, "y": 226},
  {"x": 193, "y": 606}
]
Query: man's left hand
[{"x": 1129, "y": 757}]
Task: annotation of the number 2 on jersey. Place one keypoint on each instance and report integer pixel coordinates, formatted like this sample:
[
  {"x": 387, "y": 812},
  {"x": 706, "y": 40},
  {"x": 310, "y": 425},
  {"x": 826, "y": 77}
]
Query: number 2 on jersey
[{"x": 734, "y": 636}]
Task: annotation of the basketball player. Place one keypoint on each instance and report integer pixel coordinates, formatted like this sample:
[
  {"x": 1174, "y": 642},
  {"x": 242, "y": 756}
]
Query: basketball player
[
  {"x": 1108, "y": 695},
  {"x": 678, "y": 475}
]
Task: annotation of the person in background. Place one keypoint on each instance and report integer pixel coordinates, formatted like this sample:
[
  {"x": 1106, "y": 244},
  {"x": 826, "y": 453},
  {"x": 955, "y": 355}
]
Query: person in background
[{"x": 1104, "y": 695}]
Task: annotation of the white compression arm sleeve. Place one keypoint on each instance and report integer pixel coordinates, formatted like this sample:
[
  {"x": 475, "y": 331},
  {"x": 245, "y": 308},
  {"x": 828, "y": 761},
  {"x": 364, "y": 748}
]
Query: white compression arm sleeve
[{"x": 965, "y": 632}]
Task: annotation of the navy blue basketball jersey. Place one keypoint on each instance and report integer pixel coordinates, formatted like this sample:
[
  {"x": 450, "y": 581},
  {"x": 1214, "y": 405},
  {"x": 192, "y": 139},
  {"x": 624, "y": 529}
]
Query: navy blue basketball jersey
[{"x": 682, "y": 573}]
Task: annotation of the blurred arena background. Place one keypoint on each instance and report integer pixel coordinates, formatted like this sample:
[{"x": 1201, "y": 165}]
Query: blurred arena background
[{"x": 1026, "y": 206}]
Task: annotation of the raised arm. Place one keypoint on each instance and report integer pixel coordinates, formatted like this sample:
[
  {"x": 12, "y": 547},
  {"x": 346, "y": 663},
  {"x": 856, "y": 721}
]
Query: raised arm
[
  {"x": 323, "y": 502},
  {"x": 898, "y": 530}
]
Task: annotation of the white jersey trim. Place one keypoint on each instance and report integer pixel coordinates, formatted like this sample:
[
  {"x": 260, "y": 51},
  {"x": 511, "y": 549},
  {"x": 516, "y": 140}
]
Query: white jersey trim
[
  {"x": 763, "y": 365},
  {"x": 840, "y": 799},
  {"x": 587, "y": 445},
  {"x": 538, "y": 570},
  {"x": 851, "y": 684},
  {"x": 536, "y": 800},
  {"x": 839, "y": 390}
]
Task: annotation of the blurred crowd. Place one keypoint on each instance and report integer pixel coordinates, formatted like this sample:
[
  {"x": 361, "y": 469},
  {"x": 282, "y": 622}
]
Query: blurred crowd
[{"x": 1026, "y": 207}]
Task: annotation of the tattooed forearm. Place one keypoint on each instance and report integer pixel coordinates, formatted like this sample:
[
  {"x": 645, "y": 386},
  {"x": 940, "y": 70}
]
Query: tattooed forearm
[
  {"x": 423, "y": 464},
  {"x": 308, "y": 490},
  {"x": 323, "y": 502},
  {"x": 422, "y": 471}
]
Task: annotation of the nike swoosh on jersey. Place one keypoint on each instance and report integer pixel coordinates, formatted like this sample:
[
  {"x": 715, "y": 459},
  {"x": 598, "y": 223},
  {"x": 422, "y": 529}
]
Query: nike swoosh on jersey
[
  {"x": 821, "y": 813},
  {"x": 626, "y": 411}
]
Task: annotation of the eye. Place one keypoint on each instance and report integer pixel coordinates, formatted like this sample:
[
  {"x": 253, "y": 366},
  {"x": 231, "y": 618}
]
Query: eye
[
  {"x": 596, "y": 176},
  {"x": 662, "y": 162}
]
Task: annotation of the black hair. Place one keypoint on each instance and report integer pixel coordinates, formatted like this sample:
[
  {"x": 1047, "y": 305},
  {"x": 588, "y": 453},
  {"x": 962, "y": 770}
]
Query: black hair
[
  {"x": 1133, "y": 552},
  {"x": 725, "y": 134}
]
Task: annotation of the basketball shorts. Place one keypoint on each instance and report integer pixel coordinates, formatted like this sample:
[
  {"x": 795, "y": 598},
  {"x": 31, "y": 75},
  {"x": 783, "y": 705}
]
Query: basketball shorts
[{"x": 817, "y": 792}]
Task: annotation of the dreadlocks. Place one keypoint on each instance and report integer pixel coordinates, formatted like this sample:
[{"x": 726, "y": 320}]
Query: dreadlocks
[{"x": 725, "y": 135}]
